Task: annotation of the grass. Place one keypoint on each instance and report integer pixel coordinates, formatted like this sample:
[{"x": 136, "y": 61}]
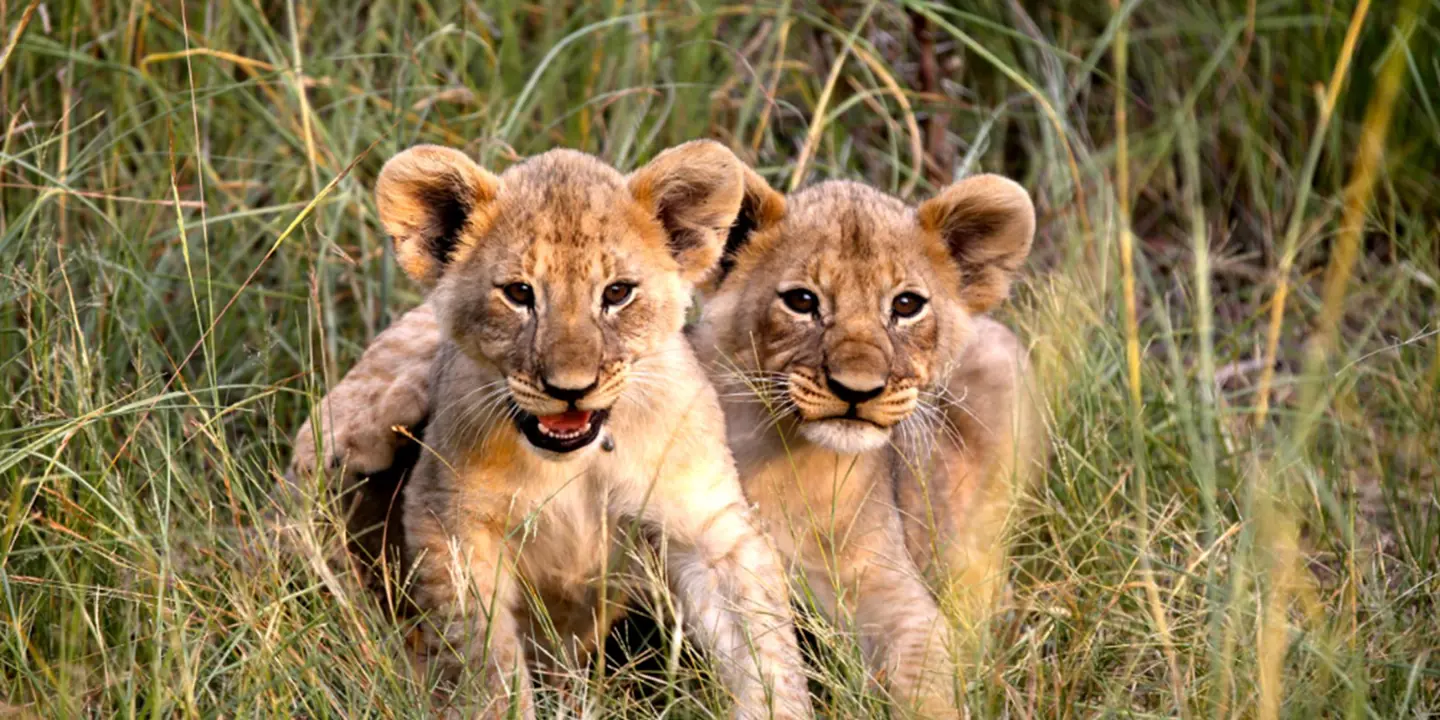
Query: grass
[{"x": 189, "y": 256}]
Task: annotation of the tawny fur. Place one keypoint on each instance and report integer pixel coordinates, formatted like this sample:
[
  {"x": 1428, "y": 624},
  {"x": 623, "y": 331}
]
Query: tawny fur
[
  {"x": 388, "y": 387},
  {"x": 365, "y": 420},
  {"x": 899, "y": 533},
  {"x": 895, "y": 516},
  {"x": 509, "y": 545}
]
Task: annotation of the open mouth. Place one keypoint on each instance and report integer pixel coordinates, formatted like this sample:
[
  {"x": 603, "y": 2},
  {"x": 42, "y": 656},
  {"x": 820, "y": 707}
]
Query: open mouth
[{"x": 564, "y": 432}]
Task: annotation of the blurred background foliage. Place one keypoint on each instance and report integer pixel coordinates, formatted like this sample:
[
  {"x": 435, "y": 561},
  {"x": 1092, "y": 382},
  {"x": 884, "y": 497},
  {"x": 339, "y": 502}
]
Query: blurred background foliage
[{"x": 189, "y": 256}]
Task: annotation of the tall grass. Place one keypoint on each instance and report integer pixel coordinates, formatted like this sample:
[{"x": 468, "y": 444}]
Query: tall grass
[{"x": 1232, "y": 311}]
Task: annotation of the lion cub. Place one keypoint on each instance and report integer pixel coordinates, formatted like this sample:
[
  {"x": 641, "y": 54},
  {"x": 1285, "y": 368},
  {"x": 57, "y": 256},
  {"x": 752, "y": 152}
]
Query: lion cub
[
  {"x": 879, "y": 421},
  {"x": 567, "y": 408}
]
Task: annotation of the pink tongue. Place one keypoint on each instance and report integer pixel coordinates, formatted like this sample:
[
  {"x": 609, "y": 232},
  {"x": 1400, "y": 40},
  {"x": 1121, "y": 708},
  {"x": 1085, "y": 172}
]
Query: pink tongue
[{"x": 566, "y": 421}]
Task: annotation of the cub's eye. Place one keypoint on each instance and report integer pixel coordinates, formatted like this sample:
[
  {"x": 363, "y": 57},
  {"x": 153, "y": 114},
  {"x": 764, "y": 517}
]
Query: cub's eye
[
  {"x": 801, "y": 301},
  {"x": 617, "y": 294},
  {"x": 907, "y": 305},
  {"x": 520, "y": 293}
]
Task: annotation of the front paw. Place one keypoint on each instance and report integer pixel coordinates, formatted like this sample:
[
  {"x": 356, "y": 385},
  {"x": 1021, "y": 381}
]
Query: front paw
[{"x": 344, "y": 449}]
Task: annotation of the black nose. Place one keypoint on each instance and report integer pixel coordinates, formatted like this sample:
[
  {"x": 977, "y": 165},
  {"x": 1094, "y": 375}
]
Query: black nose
[
  {"x": 851, "y": 395},
  {"x": 566, "y": 394}
]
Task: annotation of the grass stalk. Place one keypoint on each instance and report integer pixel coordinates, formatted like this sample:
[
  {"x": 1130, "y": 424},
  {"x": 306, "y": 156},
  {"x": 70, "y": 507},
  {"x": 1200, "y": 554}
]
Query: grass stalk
[
  {"x": 1280, "y": 531},
  {"x": 817, "y": 119},
  {"x": 1163, "y": 566},
  {"x": 1297, "y": 212}
]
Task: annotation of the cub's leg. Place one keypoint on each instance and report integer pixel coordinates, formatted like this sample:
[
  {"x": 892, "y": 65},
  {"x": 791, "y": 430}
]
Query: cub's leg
[
  {"x": 463, "y": 580},
  {"x": 389, "y": 386},
  {"x": 733, "y": 594},
  {"x": 884, "y": 598},
  {"x": 958, "y": 509}
]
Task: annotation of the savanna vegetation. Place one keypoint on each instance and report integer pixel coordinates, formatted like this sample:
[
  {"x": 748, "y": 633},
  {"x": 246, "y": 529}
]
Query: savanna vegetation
[{"x": 1231, "y": 308}]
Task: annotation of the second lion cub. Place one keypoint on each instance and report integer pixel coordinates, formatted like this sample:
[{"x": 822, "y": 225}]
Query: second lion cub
[
  {"x": 880, "y": 421},
  {"x": 567, "y": 407}
]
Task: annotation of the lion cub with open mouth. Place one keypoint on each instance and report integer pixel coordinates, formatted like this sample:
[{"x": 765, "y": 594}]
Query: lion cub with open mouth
[{"x": 566, "y": 407}]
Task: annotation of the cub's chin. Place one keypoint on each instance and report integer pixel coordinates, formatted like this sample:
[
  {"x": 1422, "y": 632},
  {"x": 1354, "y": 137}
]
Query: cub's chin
[{"x": 845, "y": 436}]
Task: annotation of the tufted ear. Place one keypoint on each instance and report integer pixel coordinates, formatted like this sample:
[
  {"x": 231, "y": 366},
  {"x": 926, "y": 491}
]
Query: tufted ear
[
  {"x": 987, "y": 222},
  {"x": 695, "y": 190},
  {"x": 428, "y": 197}
]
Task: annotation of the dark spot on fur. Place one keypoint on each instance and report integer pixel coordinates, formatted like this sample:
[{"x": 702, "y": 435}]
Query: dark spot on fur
[
  {"x": 856, "y": 231},
  {"x": 682, "y": 235},
  {"x": 969, "y": 222},
  {"x": 452, "y": 204},
  {"x": 745, "y": 224}
]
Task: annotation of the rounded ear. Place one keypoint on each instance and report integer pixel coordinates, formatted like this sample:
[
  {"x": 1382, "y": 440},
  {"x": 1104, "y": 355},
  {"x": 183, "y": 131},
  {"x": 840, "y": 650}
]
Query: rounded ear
[
  {"x": 695, "y": 190},
  {"x": 987, "y": 222},
  {"x": 428, "y": 196},
  {"x": 761, "y": 209}
]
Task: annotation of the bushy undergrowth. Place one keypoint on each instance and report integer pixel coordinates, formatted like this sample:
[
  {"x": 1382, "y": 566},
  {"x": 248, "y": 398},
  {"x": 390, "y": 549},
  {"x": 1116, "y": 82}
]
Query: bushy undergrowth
[{"x": 1247, "y": 526}]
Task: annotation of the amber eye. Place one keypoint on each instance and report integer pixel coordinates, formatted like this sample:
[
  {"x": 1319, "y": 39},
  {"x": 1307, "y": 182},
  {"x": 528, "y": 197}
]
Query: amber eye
[
  {"x": 617, "y": 294},
  {"x": 906, "y": 305},
  {"x": 520, "y": 293},
  {"x": 801, "y": 301}
]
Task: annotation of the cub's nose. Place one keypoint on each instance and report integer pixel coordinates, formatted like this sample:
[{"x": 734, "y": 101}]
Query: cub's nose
[
  {"x": 854, "y": 390},
  {"x": 565, "y": 394}
]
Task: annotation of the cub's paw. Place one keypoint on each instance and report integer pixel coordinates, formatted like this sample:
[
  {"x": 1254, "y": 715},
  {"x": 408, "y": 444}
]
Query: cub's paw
[
  {"x": 360, "y": 435},
  {"x": 387, "y": 389}
]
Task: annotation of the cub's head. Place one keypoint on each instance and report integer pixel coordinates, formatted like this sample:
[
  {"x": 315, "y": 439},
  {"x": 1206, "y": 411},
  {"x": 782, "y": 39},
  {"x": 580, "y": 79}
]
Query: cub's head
[
  {"x": 840, "y": 305},
  {"x": 560, "y": 272}
]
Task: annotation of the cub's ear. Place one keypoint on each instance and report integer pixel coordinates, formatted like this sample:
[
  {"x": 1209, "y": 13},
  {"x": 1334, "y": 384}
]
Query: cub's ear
[
  {"x": 987, "y": 222},
  {"x": 695, "y": 190},
  {"x": 761, "y": 209},
  {"x": 429, "y": 197}
]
